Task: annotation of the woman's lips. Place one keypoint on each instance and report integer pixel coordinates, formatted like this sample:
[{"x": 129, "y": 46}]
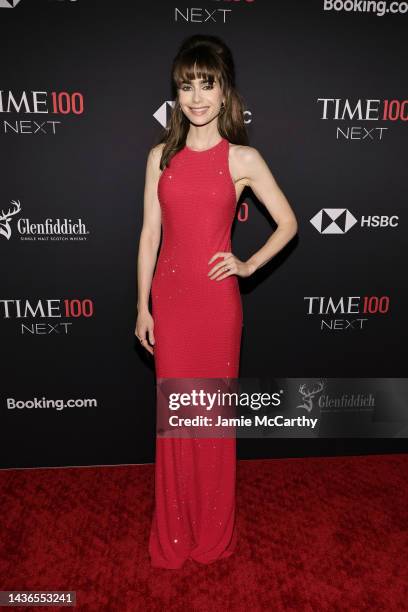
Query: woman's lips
[{"x": 199, "y": 112}]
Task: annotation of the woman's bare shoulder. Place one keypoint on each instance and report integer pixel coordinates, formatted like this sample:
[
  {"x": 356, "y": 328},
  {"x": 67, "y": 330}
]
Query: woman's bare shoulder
[
  {"x": 244, "y": 153},
  {"x": 156, "y": 151},
  {"x": 154, "y": 156},
  {"x": 243, "y": 158}
]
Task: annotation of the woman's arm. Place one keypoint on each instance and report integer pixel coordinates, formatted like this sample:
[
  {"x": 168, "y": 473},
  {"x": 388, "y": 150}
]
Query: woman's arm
[
  {"x": 151, "y": 230},
  {"x": 148, "y": 246},
  {"x": 266, "y": 189},
  {"x": 250, "y": 165}
]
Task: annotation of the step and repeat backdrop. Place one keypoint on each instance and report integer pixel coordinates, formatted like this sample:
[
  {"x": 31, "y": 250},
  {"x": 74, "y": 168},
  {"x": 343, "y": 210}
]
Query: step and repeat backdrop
[{"x": 84, "y": 94}]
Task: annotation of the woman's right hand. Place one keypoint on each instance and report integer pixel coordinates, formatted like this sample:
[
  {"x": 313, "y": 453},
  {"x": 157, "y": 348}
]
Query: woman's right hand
[{"x": 144, "y": 330}]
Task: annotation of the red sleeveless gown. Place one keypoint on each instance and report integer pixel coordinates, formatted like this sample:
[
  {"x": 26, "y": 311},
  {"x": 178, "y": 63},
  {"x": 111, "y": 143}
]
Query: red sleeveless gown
[{"x": 197, "y": 328}]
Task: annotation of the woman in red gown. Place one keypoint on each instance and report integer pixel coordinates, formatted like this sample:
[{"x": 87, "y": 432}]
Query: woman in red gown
[{"x": 195, "y": 328}]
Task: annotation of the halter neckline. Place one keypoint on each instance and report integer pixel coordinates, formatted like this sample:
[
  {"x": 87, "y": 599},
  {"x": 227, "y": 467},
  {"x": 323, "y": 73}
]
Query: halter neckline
[{"x": 205, "y": 150}]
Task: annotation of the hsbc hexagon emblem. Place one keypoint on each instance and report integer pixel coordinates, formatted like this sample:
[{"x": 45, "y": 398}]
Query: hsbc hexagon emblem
[
  {"x": 8, "y": 3},
  {"x": 333, "y": 221},
  {"x": 161, "y": 114}
]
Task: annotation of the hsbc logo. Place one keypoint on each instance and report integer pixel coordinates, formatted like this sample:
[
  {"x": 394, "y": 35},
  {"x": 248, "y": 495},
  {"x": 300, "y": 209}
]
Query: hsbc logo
[
  {"x": 161, "y": 115},
  {"x": 8, "y": 3},
  {"x": 341, "y": 220},
  {"x": 333, "y": 221}
]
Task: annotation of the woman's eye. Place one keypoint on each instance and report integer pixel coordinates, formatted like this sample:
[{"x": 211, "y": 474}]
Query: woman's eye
[{"x": 187, "y": 87}]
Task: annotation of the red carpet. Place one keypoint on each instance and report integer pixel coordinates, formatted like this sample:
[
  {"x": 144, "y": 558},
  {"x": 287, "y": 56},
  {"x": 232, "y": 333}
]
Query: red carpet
[{"x": 326, "y": 534}]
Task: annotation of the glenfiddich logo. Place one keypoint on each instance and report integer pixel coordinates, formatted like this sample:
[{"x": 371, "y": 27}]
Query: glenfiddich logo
[
  {"x": 309, "y": 394},
  {"x": 8, "y": 3},
  {"x": 49, "y": 229},
  {"x": 6, "y": 217}
]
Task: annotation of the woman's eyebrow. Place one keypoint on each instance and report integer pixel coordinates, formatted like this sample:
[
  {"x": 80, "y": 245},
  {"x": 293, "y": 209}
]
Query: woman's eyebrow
[{"x": 200, "y": 81}]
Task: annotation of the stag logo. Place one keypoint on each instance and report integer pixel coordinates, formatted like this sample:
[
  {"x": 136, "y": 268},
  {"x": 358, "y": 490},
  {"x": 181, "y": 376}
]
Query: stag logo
[
  {"x": 8, "y": 3},
  {"x": 333, "y": 221},
  {"x": 5, "y": 218},
  {"x": 308, "y": 395}
]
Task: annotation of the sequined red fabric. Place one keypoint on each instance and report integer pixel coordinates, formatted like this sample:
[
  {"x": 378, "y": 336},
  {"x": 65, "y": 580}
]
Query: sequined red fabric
[{"x": 197, "y": 328}]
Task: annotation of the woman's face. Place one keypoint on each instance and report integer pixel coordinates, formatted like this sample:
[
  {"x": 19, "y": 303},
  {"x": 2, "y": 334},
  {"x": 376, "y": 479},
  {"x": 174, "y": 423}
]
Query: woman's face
[{"x": 200, "y": 100}]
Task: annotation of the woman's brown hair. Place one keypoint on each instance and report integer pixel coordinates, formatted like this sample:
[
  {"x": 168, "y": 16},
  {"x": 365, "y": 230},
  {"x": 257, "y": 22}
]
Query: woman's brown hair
[{"x": 204, "y": 57}]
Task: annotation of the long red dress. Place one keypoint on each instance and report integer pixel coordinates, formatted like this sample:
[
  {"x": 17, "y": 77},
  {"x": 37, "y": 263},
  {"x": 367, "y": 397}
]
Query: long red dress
[{"x": 197, "y": 328}]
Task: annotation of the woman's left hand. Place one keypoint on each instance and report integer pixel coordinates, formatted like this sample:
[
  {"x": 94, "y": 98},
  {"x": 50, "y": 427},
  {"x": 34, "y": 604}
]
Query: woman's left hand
[{"x": 228, "y": 266}]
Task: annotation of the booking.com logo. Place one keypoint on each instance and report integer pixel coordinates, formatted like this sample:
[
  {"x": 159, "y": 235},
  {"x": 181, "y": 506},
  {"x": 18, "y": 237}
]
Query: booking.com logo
[{"x": 363, "y": 6}]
